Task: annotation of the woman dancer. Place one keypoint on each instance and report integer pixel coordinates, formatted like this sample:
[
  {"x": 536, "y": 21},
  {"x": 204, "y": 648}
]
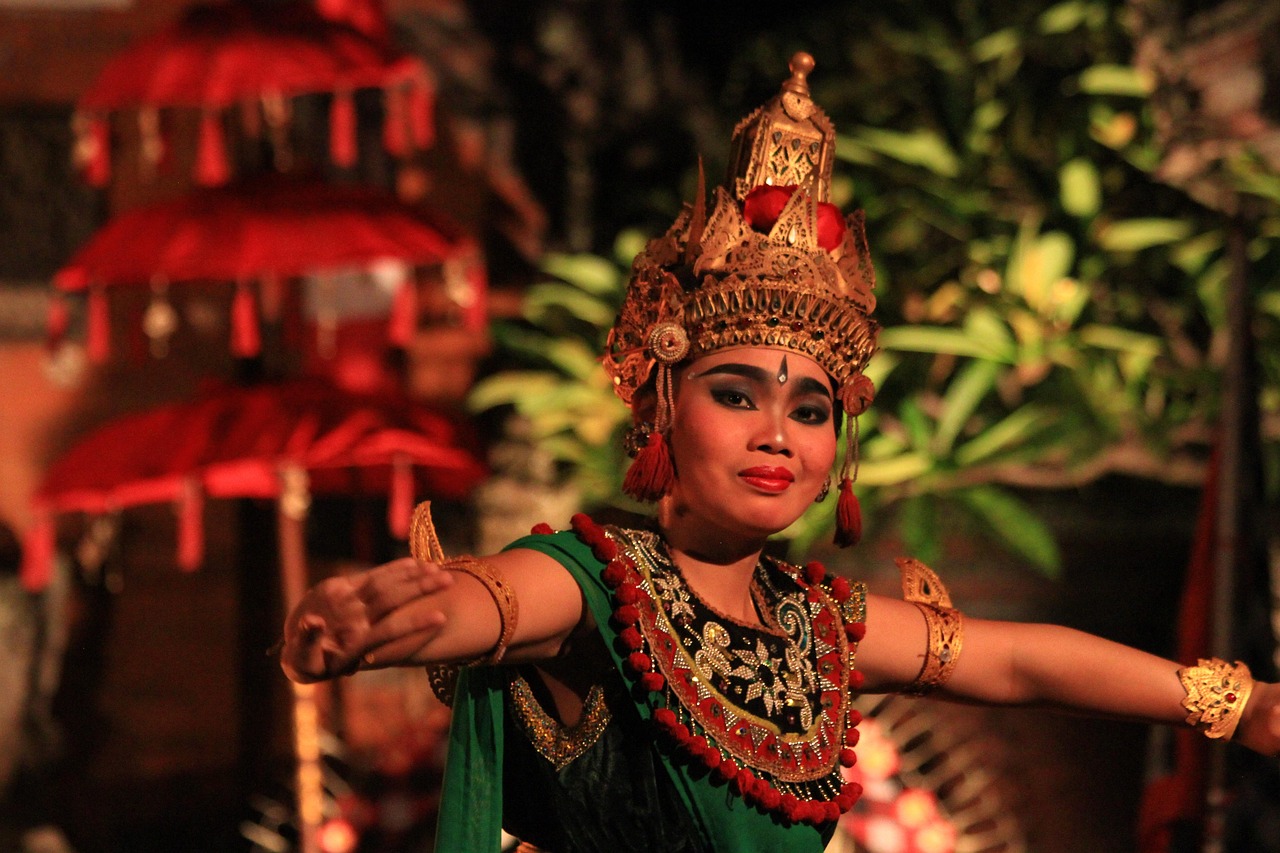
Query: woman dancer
[{"x": 670, "y": 688}]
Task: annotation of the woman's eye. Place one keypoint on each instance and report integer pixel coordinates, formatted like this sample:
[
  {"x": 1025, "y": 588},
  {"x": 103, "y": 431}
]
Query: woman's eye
[
  {"x": 732, "y": 398},
  {"x": 812, "y": 414}
]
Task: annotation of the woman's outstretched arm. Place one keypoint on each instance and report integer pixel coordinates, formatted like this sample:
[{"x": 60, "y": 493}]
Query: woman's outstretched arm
[
  {"x": 408, "y": 612},
  {"x": 1010, "y": 663}
]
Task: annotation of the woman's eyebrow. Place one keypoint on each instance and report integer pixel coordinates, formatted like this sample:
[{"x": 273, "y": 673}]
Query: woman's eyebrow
[
  {"x": 809, "y": 385},
  {"x": 746, "y": 371}
]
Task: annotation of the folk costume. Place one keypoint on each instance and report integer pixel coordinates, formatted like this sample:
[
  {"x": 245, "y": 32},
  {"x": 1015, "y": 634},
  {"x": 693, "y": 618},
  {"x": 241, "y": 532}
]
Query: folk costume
[{"x": 704, "y": 734}]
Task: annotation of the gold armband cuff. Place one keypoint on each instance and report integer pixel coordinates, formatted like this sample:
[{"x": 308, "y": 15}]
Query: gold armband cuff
[
  {"x": 1216, "y": 695},
  {"x": 503, "y": 596},
  {"x": 924, "y": 589}
]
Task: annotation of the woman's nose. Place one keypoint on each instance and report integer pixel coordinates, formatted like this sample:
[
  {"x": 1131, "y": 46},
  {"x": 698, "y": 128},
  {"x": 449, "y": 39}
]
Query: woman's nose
[{"x": 771, "y": 435}]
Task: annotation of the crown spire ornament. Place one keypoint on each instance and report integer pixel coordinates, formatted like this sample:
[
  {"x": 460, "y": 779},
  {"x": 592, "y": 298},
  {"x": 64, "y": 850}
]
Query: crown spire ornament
[
  {"x": 772, "y": 264},
  {"x": 789, "y": 141}
]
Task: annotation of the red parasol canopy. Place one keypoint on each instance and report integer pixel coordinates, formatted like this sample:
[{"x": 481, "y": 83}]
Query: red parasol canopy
[
  {"x": 238, "y": 442},
  {"x": 220, "y": 55},
  {"x": 271, "y": 229}
]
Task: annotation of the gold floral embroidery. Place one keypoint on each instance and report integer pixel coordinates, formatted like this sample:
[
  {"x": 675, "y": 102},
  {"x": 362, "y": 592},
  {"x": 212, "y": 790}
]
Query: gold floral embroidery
[{"x": 554, "y": 742}]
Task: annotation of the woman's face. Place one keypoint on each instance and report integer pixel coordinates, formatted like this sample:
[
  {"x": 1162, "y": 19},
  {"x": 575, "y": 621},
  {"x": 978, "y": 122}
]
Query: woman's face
[{"x": 752, "y": 438}]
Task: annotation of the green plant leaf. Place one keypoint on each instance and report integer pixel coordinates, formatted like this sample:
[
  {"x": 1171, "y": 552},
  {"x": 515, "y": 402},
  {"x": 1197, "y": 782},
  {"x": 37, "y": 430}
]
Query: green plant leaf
[
  {"x": 973, "y": 382},
  {"x": 997, "y": 44},
  {"x": 1014, "y": 429},
  {"x": 572, "y": 356},
  {"x": 592, "y": 273},
  {"x": 543, "y": 298},
  {"x": 923, "y": 148},
  {"x": 1080, "y": 187},
  {"x": 895, "y": 470},
  {"x": 1116, "y": 80},
  {"x": 1063, "y": 17},
  {"x": 1015, "y": 526},
  {"x": 937, "y": 339},
  {"x": 1133, "y": 235},
  {"x": 918, "y": 524},
  {"x": 506, "y": 388}
]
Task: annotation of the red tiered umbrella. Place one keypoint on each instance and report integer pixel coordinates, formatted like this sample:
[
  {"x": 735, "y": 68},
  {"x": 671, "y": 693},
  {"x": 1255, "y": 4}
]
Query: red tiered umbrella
[
  {"x": 244, "y": 54},
  {"x": 286, "y": 442},
  {"x": 240, "y": 442},
  {"x": 273, "y": 230}
]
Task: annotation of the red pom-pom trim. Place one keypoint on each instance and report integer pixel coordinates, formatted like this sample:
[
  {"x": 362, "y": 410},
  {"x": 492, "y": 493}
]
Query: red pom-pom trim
[
  {"x": 653, "y": 682},
  {"x": 627, "y": 614},
  {"x": 855, "y": 631},
  {"x": 814, "y": 572},
  {"x": 639, "y": 662},
  {"x": 631, "y": 638},
  {"x": 848, "y": 757},
  {"x": 627, "y": 593},
  {"x": 542, "y": 529},
  {"x": 840, "y": 589},
  {"x": 856, "y": 679},
  {"x": 727, "y": 770},
  {"x": 613, "y": 575}
]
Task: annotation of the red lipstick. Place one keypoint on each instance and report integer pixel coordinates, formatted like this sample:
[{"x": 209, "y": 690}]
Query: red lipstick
[{"x": 767, "y": 478}]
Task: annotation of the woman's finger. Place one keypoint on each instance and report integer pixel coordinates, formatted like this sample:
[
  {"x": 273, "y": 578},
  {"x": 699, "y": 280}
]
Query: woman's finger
[
  {"x": 401, "y": 650},
  {"x": 394, "y": 585}
]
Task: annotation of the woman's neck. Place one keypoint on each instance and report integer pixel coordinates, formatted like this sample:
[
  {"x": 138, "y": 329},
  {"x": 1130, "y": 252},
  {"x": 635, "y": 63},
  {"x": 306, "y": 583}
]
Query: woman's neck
[{"x": 716, "y": 565}]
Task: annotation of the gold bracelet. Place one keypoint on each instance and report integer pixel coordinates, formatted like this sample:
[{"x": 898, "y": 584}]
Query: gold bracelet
[
  {"x": 1216, "y": 695},
  {"x": 503, "y": 596},
  {"x": 925, "y": 590}
]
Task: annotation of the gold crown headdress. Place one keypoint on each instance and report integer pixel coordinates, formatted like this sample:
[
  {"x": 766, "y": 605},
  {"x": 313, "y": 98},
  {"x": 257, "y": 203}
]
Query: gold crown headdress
[{"x": 774, "y": 264}]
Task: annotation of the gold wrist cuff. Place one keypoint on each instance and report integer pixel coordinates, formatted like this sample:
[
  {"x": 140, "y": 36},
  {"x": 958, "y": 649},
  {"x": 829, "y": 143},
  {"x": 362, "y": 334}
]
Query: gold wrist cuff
[
  {"x": 1216, "y": 695},
  {"x": 925, "y": 590},
  {"x": 503, "y": 596}
]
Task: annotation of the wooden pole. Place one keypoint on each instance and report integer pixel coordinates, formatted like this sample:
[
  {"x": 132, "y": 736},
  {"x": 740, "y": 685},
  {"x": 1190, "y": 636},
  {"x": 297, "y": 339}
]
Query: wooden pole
[{"x": 291, "y": 516}]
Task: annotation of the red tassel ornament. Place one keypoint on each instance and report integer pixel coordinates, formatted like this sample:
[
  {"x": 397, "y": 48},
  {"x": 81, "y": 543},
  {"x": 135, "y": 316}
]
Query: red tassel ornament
[
  {"x": 848, "y": 516},
  {"x": 212, "y": 168},
  {"x": 190, "y": 526},
  {"x": 342, "y": 129},
  {"x": 404, "y": 314},
  {"x": 651, "y": 475},
  {"x": 98, "y": 333},
  {"x": 421, "y": 123},
  {"x": 400, "y": 499},
  {"x": 246, "y": 337}
]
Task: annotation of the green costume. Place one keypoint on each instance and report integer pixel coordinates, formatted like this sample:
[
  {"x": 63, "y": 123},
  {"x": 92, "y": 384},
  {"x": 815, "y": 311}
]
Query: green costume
[{"x": 649, "y": 773}]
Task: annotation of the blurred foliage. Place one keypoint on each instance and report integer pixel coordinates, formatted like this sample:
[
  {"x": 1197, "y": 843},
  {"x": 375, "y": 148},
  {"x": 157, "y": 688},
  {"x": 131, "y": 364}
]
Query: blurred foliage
[{"x": 1053, "y": 313}]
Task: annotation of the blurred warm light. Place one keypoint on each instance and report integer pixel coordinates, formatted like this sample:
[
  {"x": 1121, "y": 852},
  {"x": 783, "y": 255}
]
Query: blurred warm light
[
  {"x": 337, "y": 836},
  {"x": 938, "y": 836},
  {"x": 916, "y": 807}
]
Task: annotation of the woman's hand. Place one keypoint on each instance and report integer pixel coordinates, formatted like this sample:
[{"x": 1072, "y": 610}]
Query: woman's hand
[
  {"x": 374, "y": 618},
  {"x": 1259, "y": 728}
]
